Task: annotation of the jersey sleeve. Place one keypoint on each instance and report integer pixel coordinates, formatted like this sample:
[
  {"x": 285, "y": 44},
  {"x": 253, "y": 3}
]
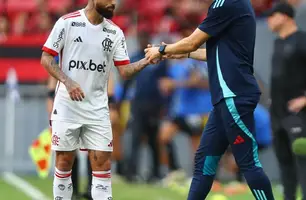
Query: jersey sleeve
[
  {"x": 121, "y": 56},
  {"x": 217, "y": 20},
  {"x": 56, "y": 39}
]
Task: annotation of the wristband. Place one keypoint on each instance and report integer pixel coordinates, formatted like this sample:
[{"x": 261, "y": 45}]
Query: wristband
[
  {"x": 111, "y": 100},
  {"x": 51, "y": 94}
]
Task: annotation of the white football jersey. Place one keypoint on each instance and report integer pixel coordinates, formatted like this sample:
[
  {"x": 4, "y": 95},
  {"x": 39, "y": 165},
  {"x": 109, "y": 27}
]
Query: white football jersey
[{"x": 86, "y": 54}]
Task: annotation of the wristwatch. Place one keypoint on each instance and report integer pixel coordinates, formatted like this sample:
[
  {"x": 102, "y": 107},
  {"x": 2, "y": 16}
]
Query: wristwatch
[{"x": 162, "y": 49}]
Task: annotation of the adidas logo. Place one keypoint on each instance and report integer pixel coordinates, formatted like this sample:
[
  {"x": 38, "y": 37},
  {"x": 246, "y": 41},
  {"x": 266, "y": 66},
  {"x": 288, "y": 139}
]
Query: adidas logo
[
  {"x": 239, "y": 140},
  {"x": 55, "y": 112},
  {"x": 79, "y": 39}
]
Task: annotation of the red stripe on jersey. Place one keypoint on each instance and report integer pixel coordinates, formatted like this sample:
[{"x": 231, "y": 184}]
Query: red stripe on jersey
[
  {"x": 121, "y": 62},
  {"x": 72, "y": 16},
  {"x": 69, "y": 14},
  {"x": 49, "y": 51},
  {"x": 107, "y": 175}
]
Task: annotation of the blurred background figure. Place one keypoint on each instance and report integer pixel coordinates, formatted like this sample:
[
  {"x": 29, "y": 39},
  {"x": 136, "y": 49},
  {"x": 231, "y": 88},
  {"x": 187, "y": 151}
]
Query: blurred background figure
[
  {"x": 288, "y": 96},
  {"x": 117, "y": 126},
  {"x": 4, "y": 27},
  {"x": 187, "y": 89},
  {"x": 164, "y": 104},
  {"x": 146, "y": 111}
]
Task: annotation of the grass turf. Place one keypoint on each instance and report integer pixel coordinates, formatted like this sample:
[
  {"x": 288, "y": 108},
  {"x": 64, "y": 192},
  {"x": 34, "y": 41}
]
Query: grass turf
[{"x": 121, "y": 191}]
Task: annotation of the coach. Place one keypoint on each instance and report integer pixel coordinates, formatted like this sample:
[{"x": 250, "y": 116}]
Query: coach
[{"x": 288, "y": 93}]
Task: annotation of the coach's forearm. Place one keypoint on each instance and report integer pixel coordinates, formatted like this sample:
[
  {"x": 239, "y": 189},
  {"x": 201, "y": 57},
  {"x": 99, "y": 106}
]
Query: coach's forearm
[
  {"x": 181, "y": 47},
  {"x": 53, "y": 68},
  {"x": 199, "y": 54},
  {"x": 128, "y": 71}
]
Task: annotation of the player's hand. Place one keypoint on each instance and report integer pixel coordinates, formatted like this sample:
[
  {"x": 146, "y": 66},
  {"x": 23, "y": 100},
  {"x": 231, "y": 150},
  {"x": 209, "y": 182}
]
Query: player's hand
[
  {"x": 153, "y": 55},
  {"x": 74, "y": 90},
  {"x": 297, "y": 104}
]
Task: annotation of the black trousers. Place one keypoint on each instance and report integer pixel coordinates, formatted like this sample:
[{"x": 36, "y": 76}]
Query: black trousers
[
  {"x": 76, "y": 176},
  {"x": 293, "y": 168},
  {"x": 144, "y": 121}
]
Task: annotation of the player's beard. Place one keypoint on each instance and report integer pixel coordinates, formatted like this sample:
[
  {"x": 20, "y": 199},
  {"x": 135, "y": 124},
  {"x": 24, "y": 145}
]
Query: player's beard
[{"x": 107, "y": 12}]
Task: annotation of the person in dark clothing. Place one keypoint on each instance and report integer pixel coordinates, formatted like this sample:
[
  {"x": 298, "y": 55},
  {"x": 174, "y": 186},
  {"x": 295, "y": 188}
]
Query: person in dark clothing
[
  {"x": 288, "y": 86},
  {"x": 146, "y": 109}
]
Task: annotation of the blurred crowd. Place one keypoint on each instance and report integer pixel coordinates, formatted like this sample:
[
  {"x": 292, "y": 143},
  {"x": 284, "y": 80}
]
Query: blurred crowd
[{"x": 38, "y": 16}]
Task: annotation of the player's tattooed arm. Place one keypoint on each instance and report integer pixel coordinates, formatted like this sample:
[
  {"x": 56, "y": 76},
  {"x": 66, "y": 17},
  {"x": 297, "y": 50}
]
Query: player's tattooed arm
[
  {"x": 73, "y": 88},
  {"x": 52, "y": 67},
  {"x": 129, "y": 70}
]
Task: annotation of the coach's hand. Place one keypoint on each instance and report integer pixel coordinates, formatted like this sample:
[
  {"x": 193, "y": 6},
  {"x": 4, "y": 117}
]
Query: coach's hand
[{"x": 74, "y": 90}]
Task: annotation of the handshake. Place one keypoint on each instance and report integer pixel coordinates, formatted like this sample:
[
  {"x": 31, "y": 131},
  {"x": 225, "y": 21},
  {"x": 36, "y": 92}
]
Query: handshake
[{"x": 154, "y": 54}]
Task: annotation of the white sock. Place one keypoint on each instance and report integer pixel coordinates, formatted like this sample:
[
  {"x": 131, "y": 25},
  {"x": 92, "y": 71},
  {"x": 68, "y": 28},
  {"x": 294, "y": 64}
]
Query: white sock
[
  {"x": 62, "y": 185},
  {"x": 101, "y": 188}
]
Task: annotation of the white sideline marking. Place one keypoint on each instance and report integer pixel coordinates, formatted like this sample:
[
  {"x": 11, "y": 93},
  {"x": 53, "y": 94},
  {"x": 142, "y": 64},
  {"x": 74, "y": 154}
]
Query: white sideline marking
[{"x": 24, "y": 186}]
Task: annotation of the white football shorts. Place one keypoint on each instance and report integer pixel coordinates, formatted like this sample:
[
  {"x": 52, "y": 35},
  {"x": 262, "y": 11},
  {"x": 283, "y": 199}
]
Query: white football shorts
[{"x": 67, "y": 136}]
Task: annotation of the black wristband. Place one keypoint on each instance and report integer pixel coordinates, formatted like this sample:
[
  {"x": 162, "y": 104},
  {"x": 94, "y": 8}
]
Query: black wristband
[
  {"x": 51, "y": 94},
  {"x": 111, "y": 100}
]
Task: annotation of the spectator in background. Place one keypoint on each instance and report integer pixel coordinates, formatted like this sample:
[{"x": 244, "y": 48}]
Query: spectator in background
[
  {"x": 4, "y": 27},
  {"x": 20, "y": 23},
  {"x": 260, "y": 6},
  {"x": 288, "y": 86},
  {"x": 146, "y": 109},
  {"x": 40, "y": 20},
  {"x": 44, "y": 25},
  {"x": 190, "y": 104},
  {"x": 117, "y": 129}
]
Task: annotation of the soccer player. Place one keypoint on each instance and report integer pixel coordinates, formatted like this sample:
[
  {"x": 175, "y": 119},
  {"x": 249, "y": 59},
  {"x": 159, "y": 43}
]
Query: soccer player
[
  {"x": 229, "y": 30},
  {"x": 75, "y": 168},
  {"x": 88, "y": 45}
]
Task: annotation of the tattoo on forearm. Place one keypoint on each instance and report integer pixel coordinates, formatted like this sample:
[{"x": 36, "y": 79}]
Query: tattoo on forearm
[
  {"x": 133, "y": 68},
  {"x": 53, "y": 68}
]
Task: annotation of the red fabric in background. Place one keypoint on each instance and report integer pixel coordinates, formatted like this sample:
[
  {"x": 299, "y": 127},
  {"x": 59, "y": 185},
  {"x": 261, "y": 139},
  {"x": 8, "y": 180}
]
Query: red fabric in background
[
  {"x": 28, "y": 70},
  {"x": 26, "y": 40}
]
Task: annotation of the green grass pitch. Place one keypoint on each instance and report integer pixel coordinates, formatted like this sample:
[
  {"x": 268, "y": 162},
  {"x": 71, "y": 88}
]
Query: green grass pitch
[{"x": 121, "y": 191}]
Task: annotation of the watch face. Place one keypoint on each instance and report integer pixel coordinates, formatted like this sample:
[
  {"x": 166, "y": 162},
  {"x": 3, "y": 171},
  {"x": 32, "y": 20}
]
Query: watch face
[{"x": 162, "y": 49}]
